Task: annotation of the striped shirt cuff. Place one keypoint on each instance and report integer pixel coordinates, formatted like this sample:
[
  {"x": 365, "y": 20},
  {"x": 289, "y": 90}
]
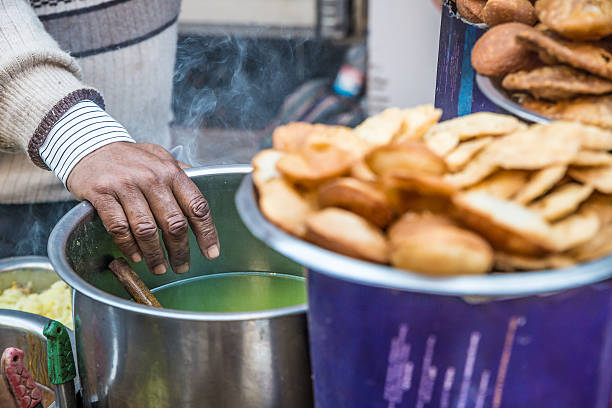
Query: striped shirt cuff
[{"x": 82, "y": 129}]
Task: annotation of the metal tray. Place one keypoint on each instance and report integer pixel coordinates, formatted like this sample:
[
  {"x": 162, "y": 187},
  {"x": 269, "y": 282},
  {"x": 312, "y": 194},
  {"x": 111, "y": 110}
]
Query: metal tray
[
  {"x": 493, "y": 90},
  {"x": 351, "y": 269}
]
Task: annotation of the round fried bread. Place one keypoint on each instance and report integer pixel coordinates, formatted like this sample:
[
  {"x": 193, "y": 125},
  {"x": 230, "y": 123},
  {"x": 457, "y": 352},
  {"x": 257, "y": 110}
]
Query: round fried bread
[
  {"x": 497, "y": 12},
  {"x": 577, "y": 19},
  {"x": 498, "y": 52},
  {"x": 347, "y": 233},
  {"x": 438, "y": 248},
  {"x": 471, "y": 10},
  {"x": 284, "y": 206},
  {"x": 359, "y": 197}
]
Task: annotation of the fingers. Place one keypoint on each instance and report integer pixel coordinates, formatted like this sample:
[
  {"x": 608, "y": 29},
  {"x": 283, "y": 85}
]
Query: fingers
[
  {"x": 197, "y": 210},
  {"x": 144, "y": 229},
  {"x": 116, "y": 223},
  {"x": 173, "y": 224}
]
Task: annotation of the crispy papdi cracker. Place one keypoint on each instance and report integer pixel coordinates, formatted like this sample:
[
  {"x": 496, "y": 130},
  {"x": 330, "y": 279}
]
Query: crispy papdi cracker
[
  {"x": 403, "y": 201},
  {"x": 284, "y": 206},
  {"x": 556, "y": 83},
  {"x": 600, "y": 204},
  {"x": 291, "y": 137},
  {"x": 380, "y": 130},
  {"x": 417, "y": 122},
  {"x": 360, "y": 170},
  {"x": 577, "y": 19},
  {"x": 593, "y": 137},
  {"x": 561, "y": 201},
  {"x": 341, "y": 137},
  {"x": 475, "y": 171},
  {"x": 503, "y": 184},
  {"x": 598, "y": 177},
  {"x": 477, "y": 125},
  {"x": 359, "y": 197},
  {"x": 410, "y": 156},
  {"x": 505, "y": 262},
  {"x": 442, "y": 143},
  {"x": 463, "y": 153},
  {"x": 535, "y": 148},
  {"x": 264, "y": 166},
  {"x": 582, "y": 55},
  {"x": 590, "y": 110},
  {"x": 599, "y": 246},
  {"x": 540, "y": 182},
  {"x": 575, "y": 230},
  {"x": 347, "y": 233},
  {"x": 508, "y": 226},
  {"x": 315, "y": 164},
  {"x": 420, "y": 183},
  {"x": 589, "y": 158}
]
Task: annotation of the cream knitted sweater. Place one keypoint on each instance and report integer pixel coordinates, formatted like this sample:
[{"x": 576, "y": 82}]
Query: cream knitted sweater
[{"x": 56, "y": 53}]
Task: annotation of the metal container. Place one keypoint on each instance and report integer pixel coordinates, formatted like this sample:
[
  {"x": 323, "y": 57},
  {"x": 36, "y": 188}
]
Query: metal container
[
  {"x": 25, "y": 330},
  {"x": 380, "y": 336},
  {"x": 492, "y": 89},
  {"x": 135, "y": 356}
]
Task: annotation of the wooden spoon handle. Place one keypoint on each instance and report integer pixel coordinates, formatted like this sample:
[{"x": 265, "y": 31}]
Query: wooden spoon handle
[{"x": 132, "y": 283}]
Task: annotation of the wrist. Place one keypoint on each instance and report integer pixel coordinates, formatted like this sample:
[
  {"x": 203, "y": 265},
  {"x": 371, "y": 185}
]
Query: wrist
[{"x": 83, "y": 129}]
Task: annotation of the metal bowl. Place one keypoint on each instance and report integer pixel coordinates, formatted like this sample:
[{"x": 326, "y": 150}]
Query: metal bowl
[
  {"x": 351, "y": 269},
  {"x": 492, "y": 89},
  {"x": 25, "y": 330}
]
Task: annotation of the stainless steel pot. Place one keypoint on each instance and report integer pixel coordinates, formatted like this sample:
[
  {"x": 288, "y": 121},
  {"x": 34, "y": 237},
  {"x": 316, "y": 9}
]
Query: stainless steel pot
[{"x": 134, "y": 356}]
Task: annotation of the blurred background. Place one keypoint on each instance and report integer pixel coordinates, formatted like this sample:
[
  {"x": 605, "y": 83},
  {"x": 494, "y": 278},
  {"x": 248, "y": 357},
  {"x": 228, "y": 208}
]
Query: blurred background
[{"x": 246, "y": 66}]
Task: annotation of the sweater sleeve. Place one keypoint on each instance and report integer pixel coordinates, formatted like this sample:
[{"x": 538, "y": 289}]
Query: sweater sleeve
[{"x": 39, "y": 82}]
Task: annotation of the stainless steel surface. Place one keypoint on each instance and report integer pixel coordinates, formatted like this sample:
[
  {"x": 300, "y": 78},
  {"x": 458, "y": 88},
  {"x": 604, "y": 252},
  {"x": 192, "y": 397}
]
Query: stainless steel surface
[
  {"x": 134, "y": 356},
  {"x": 493, "y": 90},
  {"x": 350, "y": 269},
  {"x": 65, "y": 395},
  {"x": 37, "y": 272}
]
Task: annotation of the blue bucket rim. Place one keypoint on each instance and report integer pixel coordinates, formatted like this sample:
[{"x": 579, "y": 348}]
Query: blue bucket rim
[{"x": 350, "y": 269}]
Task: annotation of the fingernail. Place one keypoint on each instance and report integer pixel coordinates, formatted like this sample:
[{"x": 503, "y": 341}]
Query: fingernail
[
  {"x": 160, "y": 269},
  {"x": 136, "y": 257},
  {"x": 212, "y": 252},
  {"x": 182, "y": 269}
]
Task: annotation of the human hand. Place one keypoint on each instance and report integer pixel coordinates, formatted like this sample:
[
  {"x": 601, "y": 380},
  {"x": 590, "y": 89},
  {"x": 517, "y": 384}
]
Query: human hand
[{"x": 138, "y": 187}]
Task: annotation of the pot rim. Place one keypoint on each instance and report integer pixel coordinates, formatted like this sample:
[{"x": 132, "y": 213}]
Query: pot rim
[
  {"x": 350, "y": 269},
  {"x": 57, "y": 254},
  {"x": 25, "y": 262}
]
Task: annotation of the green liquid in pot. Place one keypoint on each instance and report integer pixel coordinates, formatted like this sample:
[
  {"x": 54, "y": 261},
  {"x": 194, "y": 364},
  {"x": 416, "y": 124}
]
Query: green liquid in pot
[{"x": 233, "y": 292}]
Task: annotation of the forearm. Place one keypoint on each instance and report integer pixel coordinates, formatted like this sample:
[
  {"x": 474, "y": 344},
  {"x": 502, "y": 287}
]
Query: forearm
[{"x": 38, "y": 81}]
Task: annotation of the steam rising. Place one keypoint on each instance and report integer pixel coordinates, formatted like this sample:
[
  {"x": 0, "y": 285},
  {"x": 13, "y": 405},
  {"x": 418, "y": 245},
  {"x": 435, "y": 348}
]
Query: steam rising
[{"x": 226, "y": 82}]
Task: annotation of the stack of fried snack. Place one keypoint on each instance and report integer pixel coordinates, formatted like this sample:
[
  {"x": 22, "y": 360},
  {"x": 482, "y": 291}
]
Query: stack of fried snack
[
  {"x": 494, "y": 12},
  {"x": 471, "y": 195},
  {"x": 562, "y": 68}
]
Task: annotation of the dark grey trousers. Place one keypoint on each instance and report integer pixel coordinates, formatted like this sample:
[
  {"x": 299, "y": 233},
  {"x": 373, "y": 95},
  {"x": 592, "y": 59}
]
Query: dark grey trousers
[{"x": 25, "y": 228}]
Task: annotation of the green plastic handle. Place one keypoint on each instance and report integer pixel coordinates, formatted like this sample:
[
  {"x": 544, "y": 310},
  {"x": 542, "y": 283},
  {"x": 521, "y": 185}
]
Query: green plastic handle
[{"x": 59, "y": 353}]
